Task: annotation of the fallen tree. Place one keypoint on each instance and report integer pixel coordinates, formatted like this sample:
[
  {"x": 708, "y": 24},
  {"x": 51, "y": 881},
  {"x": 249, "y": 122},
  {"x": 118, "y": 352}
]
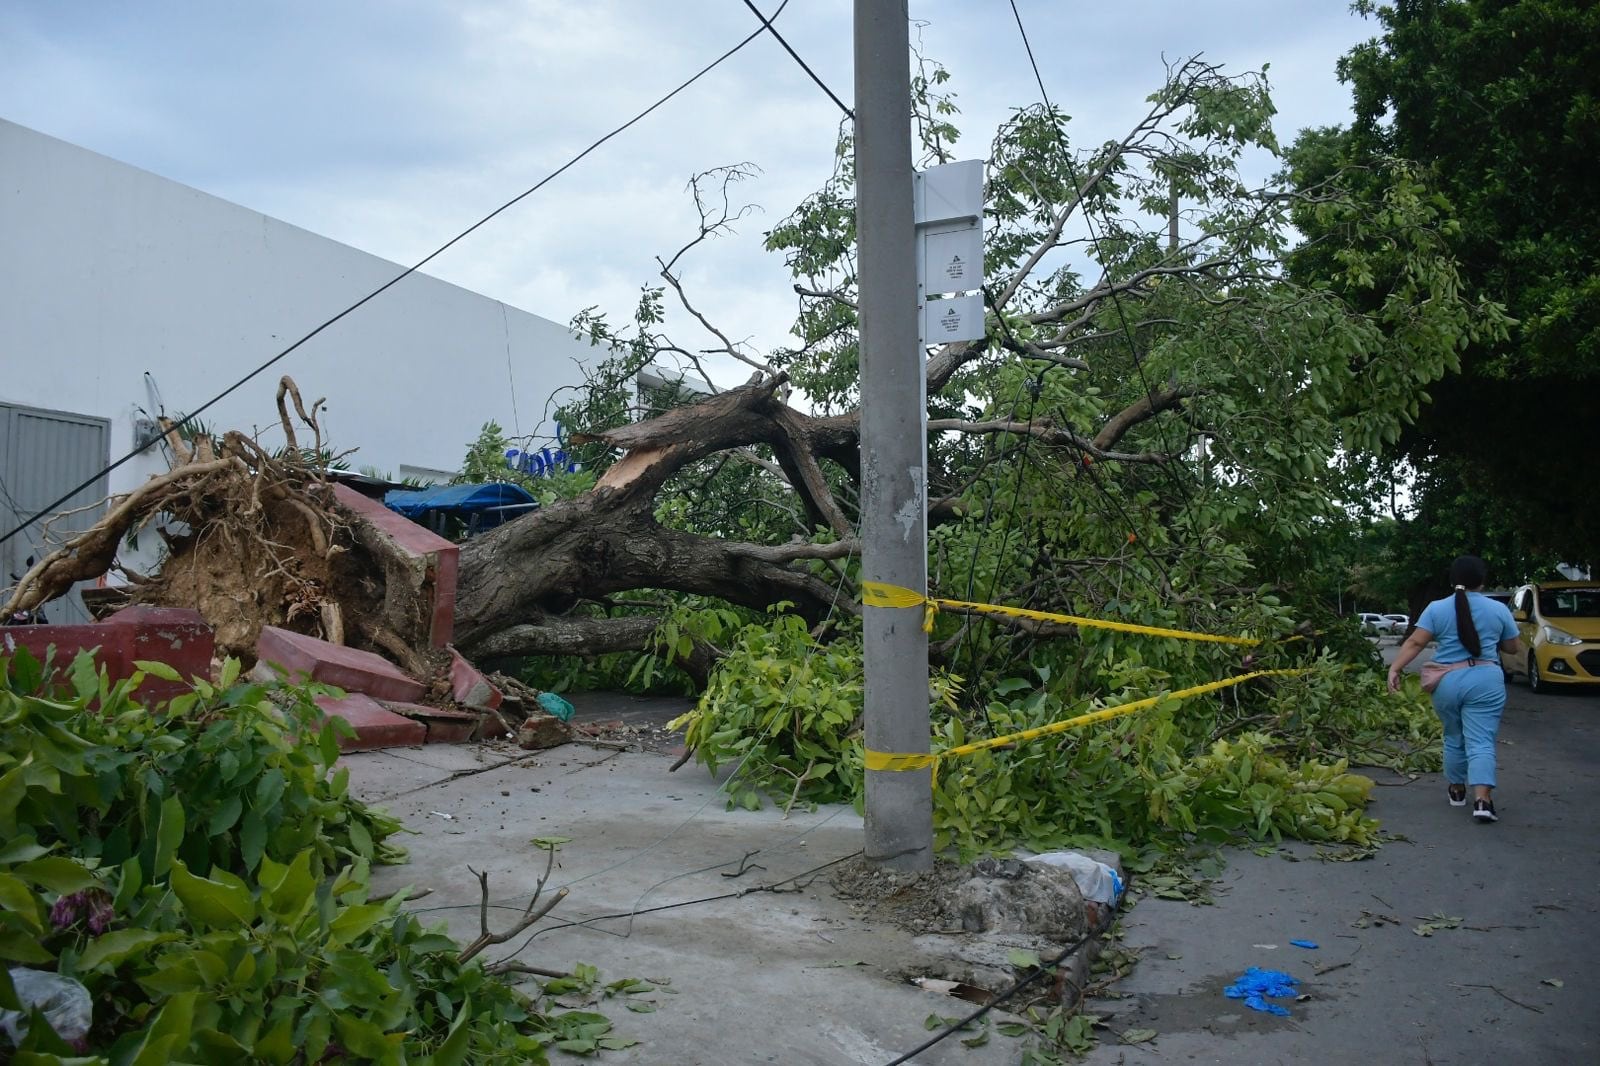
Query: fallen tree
[{"x": 1156, "y": 423}]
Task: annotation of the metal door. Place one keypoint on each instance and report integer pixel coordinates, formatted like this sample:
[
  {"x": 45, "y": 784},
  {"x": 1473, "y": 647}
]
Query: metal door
[{"x": 42, "y": 455}]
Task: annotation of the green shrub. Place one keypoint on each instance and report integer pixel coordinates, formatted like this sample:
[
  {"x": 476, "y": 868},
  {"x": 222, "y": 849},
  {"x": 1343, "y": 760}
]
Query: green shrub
[{"x": 200, "y": 868}]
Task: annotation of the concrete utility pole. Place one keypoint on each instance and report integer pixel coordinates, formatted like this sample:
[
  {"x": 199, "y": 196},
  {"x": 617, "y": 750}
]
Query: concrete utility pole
[{"x": 899, "y": 803}]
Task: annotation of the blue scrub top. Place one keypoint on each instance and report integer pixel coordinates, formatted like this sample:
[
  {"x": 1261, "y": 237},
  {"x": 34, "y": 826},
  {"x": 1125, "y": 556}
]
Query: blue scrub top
[{"x": 1491, "y": 618}]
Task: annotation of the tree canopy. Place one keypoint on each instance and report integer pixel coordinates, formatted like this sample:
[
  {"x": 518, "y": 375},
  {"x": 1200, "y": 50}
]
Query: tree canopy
[{"x": 1498, "y": 103}]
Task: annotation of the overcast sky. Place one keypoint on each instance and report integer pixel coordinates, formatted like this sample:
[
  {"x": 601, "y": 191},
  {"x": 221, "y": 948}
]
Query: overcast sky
[{"x": 392, "y": 125}]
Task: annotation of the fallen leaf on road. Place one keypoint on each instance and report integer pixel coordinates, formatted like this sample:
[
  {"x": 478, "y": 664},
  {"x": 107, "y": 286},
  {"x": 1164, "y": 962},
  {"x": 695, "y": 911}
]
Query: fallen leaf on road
[
  {"x": 1553, "y": 982},
  {"x": 1138, "y": 1036},
  {"x": 1435, "y": 922}
]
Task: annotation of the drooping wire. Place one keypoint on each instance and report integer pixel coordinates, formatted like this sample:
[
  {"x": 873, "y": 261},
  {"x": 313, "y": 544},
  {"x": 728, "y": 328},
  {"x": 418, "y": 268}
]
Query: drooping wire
[
  {"x": 408, "y": 271},
  {"x": 1041, "y": 970},
  {"x": 766, "y": 24},
  {"x": 1116, "y": 302},
  {"x": 1086, "y": 467}
]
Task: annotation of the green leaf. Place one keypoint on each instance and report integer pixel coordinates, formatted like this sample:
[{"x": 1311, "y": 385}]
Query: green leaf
[
  {"x": 366, "y": 1039},
  {"x": 351, "y": 922},
  {"x": 252, "y": 839},
  {"x": 213, "y": 903},
  {"x": 13, "y": 787},
  {"x": 277, "y": 1046},
  {"x": 17, "y": 898},
  {"x": 18, "y": 946},
  {"x": 287, "y": 888},
  {"x": 1138, "y": 1036},
  {"x": 269, "y": 790},
  {"x": 157, "y": 669},
  {"x": 453, "y": 1052},
  {"x": 57, "y": 874},
  {"x": 223, "y": 818},
  {"x": 128, "y": 886},
  {"x": 167, "y": 1034},
  {"x": 21, "y": 849},
  {"x": 110, "y": 950},
  {"x": 230, "y": 673},
  {"x": 169, "y": 834},
  {"x": 1023, "y": 960}
]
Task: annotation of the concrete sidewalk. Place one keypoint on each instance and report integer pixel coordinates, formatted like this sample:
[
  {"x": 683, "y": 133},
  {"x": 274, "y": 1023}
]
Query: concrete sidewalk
[{"x": 793, "y": 977}]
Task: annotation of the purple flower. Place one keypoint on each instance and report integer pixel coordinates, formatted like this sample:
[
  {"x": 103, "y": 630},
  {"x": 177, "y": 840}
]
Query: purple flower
[
  {"x": 101, "y": 913},
  {"x": 93, "y": 902},
  {"x": 67, "y": 909}
]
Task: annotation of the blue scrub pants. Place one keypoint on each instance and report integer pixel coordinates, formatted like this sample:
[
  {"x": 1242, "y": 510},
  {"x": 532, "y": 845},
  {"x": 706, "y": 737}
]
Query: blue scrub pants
[{"x": 1469, "y": 703}]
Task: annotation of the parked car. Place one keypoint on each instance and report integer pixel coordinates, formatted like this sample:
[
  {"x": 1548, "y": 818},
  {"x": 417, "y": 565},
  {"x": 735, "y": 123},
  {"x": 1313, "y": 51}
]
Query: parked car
[
  {"x": 1560, "y": 624},
  {"x": 1399, "y": 622},
  {"x": 1380, "y": 623}
]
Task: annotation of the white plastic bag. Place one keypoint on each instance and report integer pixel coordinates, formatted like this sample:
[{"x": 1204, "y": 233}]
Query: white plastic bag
[
  {"x": 64, "y": 1003},
  {"x": 1098, "y": 882}
]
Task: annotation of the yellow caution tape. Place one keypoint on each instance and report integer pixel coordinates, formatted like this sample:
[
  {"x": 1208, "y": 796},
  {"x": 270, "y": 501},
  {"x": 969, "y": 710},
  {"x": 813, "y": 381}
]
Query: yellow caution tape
[
  {"x": 883, "y": 760},
  {"x": 877, "y": 594}
]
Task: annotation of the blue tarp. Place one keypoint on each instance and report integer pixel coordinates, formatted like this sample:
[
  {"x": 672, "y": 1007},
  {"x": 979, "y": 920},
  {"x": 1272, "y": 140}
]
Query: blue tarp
[{"x": 458, "y": 499}]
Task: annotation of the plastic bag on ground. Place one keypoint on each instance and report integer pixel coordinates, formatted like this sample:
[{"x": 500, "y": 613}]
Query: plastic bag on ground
[
  {"x": 1256, "y": 986},
  {"x": 64, "y": 1003},
  {"x": 1098, "y": 882},
  {"x": 555, "y": 705}
]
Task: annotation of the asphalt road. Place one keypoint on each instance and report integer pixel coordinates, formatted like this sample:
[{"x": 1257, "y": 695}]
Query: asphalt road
[{"x": 1508, "y": 977}]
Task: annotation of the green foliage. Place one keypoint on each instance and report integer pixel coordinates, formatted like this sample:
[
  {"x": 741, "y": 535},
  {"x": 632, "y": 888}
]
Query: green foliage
[
  {"x": 485, "y": 461},
  {"x": 201, "y": 869},
  {"x": 1153, "y": 777},
  {"x": 790, "y": 708},
  {"x": 1497, "y": 103}
]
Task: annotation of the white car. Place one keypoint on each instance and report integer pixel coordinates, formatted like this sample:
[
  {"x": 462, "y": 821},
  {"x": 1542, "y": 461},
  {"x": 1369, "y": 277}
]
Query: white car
[
  {"x": 1379, "y": 623},
  {"x": 1401, "y": 622}
]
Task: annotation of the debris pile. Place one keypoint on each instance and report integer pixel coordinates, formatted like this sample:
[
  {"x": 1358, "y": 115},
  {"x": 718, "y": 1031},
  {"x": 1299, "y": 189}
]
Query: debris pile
[{"x": 297, "y": 575}]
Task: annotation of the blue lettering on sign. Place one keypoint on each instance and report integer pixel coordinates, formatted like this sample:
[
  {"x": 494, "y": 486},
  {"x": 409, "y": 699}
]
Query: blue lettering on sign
[{"x": 543, "y": 462}]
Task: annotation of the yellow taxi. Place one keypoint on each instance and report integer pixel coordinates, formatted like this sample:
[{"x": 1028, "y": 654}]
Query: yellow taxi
[{"x": 1560, "y": 624}]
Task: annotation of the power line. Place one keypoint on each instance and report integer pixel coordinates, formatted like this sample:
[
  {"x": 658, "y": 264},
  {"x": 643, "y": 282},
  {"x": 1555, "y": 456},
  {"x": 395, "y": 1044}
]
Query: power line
[
  {"x": 767, "y": 25},
  {"x": 408, "y": 271},
  {"x": 1116, "y": 303},
  {"x": 1041, "y": 970}
]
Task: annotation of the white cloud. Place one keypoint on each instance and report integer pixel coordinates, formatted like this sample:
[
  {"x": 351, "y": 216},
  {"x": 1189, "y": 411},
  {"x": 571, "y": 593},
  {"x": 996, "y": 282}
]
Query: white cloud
[{"x": 391, "y": 125}]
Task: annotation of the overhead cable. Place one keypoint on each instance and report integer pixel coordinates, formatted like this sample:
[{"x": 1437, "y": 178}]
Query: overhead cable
[
  {"x": 766, "y": 24},
  {"x": 408, "y": 271}
]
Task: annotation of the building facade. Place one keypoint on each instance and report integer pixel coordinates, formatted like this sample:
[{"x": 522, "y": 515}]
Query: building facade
[{"x": 124, "y": 295}]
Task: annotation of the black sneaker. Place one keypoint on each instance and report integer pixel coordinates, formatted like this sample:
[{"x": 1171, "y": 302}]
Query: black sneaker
[
  {"x": 1458, "y": 795},
  {"x": 1483, "y": 811}
]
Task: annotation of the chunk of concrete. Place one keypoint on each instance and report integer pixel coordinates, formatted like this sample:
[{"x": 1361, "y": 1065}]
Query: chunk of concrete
[
  {"x": 353, "y": 670},
  {"x": 420, "y": 568},
  {"x": 375, "y": 726},
  {"x": 469, "y": 687},
  {"x": 445, "y": 725},
  {"x": 176, "y": 636},
  {"x": 541, "y": 731}
]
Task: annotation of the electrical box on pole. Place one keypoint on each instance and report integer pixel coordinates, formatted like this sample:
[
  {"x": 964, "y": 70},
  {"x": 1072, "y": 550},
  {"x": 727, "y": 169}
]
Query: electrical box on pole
[{"x": 947, "y": 203}]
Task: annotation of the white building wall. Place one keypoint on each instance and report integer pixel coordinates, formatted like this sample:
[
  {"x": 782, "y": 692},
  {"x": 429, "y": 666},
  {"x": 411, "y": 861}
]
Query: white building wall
[{"x": 108, "y": 272}]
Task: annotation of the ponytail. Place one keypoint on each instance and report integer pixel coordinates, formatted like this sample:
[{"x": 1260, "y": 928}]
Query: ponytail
[
  {"x": 1465, "y": 628},
  {"x": 1467, "y": 572}
]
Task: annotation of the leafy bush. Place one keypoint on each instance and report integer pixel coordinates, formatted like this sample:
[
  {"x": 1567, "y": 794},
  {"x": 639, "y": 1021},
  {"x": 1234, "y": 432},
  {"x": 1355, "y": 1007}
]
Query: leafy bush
[
  {"x": 1262, "y": 761},
  {"x": 201, "y": 870}
]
